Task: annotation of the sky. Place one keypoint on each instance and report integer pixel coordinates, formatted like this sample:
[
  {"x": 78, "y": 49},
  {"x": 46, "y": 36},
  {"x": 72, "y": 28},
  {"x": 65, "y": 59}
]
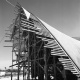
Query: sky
[{"x": 63, "y": 15}]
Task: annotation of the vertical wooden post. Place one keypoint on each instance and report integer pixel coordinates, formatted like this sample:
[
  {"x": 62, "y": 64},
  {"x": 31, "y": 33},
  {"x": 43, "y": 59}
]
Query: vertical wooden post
[
  {"x": 54, "y": 67},
  {"x": 12, "y": 66},
  {"x": 23, "y": 71},
  {"x": 64, "y": 74},
  {"x": 34, "y": 55},
  {"x": 28, "y": 76},
  {"x": 19, "y": 43},
  {"x": 45, "y": 66}
]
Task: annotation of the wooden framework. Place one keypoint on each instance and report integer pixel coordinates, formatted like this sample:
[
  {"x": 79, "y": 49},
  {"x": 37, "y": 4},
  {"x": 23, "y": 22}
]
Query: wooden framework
[{"x": 33, "y": 48}]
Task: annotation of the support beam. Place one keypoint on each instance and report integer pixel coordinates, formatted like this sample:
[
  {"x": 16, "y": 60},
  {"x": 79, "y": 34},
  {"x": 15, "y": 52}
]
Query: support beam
[{"x": 45, "y": 66}]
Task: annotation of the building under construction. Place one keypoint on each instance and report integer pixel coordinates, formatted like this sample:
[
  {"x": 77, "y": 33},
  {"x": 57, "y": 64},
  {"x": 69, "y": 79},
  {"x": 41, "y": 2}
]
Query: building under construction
[{"x": 42, "y": 52}]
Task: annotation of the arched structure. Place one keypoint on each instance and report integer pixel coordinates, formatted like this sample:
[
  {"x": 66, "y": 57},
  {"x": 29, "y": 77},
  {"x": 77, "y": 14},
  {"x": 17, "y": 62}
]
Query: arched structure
[{"x": 43, "y": 52}]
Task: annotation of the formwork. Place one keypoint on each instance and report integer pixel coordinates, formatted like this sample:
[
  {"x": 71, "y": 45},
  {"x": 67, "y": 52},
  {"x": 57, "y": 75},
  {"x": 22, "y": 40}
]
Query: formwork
[{"x": 39, "y": 56}]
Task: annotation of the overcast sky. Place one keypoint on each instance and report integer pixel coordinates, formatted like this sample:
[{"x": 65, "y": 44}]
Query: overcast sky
[{"x": 63, "y": 15}]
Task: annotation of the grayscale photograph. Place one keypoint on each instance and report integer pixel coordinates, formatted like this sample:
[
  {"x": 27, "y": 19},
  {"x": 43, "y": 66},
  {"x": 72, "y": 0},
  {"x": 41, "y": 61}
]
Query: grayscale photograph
[{"x": 39, "y": 39}]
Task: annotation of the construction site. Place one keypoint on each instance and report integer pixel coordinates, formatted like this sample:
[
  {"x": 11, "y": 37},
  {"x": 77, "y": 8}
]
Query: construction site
[{"x": 41, "y": 51}]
